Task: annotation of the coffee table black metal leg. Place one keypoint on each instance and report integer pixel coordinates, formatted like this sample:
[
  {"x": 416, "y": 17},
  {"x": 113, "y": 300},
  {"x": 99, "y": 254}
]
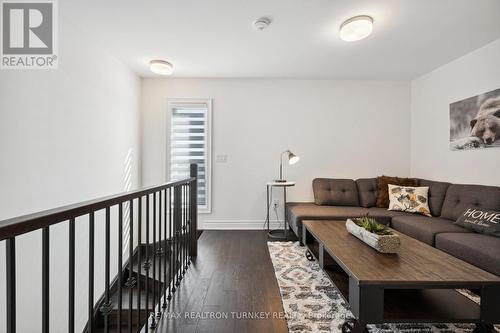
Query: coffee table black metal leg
[
  {"x": 490, "y": 309},
  {"x": 483, "y": 328},
  {"x": 354, "y": 326},
  {"x": 348, "y": 325},
  {"x": 367, "y": 304},
  {"x": 359, "y": 327}
]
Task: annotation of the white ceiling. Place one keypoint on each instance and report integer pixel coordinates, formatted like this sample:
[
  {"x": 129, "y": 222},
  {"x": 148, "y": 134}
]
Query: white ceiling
[{"x": 215, "y": 38}]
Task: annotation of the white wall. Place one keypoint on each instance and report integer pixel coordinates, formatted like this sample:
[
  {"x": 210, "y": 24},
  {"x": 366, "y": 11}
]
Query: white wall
[
  {"x": 66, "y": 135},
  {"x": 339, "y": 128},
  {"x": 475, "y": 73}
]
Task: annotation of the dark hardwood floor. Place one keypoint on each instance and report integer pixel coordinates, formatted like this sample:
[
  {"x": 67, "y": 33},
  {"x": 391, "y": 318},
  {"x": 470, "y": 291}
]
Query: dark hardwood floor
[{"x": 233, "y": 276}]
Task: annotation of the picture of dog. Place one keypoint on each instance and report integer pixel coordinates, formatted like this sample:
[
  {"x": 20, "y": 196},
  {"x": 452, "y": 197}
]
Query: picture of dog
[{"x": 475, "y": 122}]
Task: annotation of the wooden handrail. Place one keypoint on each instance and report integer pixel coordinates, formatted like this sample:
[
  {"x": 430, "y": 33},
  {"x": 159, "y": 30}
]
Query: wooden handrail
[{"x": 23, "y": 224}]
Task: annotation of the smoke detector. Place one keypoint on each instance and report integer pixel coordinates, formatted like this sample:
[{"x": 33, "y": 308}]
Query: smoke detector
[{"x": 261, "y": 23}]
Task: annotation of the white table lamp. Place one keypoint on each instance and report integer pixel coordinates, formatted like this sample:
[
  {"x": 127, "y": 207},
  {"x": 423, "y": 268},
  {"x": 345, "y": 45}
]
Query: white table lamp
[{"x": 292, "y": 159}]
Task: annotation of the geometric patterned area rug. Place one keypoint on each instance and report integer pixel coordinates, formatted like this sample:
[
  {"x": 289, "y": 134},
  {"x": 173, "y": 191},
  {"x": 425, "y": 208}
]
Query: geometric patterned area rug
[{"x": 312, "y": 303}]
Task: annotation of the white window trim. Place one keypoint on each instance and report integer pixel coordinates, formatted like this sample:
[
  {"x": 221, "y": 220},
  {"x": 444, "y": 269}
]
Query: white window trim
[{"x": 171, "y": 103}]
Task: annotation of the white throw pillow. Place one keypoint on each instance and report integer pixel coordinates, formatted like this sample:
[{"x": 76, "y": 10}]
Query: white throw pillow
[{"x": 409, "y": 199}]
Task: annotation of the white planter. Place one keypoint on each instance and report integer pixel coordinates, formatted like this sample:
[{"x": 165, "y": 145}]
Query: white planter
[{"x": 381, "y": 243}]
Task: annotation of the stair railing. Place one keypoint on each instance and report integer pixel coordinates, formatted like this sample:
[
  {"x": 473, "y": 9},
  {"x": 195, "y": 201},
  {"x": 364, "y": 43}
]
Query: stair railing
[{"x": 170, "y": 210}]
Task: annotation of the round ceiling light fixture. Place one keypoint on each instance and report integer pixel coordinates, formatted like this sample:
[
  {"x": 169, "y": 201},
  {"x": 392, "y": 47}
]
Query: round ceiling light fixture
[
  {"x": 356, "y": 28},
  {"x": 161, "y": 67},
  {"x": 262, "y": 23}
]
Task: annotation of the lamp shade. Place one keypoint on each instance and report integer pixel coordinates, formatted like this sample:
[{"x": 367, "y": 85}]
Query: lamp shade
[{"x": 292, "y": 158}]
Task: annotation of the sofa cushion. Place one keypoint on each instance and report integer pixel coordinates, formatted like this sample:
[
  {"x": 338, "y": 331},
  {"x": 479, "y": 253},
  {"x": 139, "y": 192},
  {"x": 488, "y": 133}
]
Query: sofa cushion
[
  {"x": 335, "y": 192},
  {"x": 367, "y": 192},
  {"x": 424, "y": 228},
  {"x": 477, "y": 249},
  {"x": 383, "y": 215},
  {"x": 459, "y": 198},
  {"x": 383, "y": 188},
  {"x": 437, "y": 193},
  {"x": 299, "y": 211}
]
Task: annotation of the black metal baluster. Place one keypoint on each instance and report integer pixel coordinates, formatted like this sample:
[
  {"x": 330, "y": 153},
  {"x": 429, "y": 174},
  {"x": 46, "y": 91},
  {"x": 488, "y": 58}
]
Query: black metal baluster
[
  {"x": 174, "y": 246},
  {"x": 45, "y": 280},
  {"x": 177, "y": 222},
  {"x": 189, "y": 224},
  {"x": 170, "y": 246},
  {"x": 139, "y": 259},
  {"x": 106, "y": 306},
  {"x": 184, "y": 217},
  {"x": 159, "y": 252},
  {"x": 153, "y": 318},
  {"x": 183, "y": 248},
  {"x": 10, "y": 268},
  {"x": 165, "y": 249},
  {"x": 120, "y": 265},
  {"x": 153, "y": 322},
  {"x": 146, "y": 263},
  {"x": 185, "y": 227},
  {"x": 188, "y": 239},
  {"x": 174, "y": 241},
  {"x": 71, "y": 278},
  {"x": 193, "y": 172},
  {"x": 181, "y": 216},
  {"x": 181, "y": 268},
  {"x": 154, "y": 250},
  {"x": 91, "y": 274},
  {"x": 179, "y": 228},
  {"x": 131, "y": 280}
]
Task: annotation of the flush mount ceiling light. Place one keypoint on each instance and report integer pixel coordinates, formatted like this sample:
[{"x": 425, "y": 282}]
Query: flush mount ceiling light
[
  {"x": 356, "y": 28},
  {"x": 262, "y": 23},
  {"x": 161, "y": 67}
]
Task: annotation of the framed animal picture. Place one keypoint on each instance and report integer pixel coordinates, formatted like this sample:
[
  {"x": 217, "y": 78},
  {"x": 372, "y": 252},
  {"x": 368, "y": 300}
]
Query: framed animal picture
[{"x": 475, "y": 122}]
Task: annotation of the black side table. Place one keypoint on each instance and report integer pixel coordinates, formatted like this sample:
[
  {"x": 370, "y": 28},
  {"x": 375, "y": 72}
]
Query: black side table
[{"x": 277, "y": 233}]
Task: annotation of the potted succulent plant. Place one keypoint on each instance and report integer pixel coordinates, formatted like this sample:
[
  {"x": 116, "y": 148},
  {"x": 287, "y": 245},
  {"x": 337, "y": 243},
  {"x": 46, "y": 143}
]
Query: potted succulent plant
[{"x": 377, "y": 235}]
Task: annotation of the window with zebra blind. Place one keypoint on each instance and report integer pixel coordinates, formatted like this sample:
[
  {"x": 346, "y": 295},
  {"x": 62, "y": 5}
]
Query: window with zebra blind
[{"x": 190, "y": 129}]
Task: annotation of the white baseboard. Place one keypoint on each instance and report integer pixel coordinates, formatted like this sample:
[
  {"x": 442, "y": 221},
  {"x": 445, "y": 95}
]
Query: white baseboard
[{"x": 238, "y": 225}]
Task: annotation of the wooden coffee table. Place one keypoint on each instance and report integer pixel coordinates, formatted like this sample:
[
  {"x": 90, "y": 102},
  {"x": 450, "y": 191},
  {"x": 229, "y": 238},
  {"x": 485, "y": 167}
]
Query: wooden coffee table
[{"x": 416, "y": 285}]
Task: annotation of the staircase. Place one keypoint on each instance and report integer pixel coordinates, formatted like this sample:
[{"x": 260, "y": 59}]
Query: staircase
[{"x": 142, "y": 291}]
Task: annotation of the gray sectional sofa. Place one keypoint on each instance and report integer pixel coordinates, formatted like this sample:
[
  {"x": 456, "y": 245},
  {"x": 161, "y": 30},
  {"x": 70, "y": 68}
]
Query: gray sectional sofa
[{"x": 339, "y": 199}]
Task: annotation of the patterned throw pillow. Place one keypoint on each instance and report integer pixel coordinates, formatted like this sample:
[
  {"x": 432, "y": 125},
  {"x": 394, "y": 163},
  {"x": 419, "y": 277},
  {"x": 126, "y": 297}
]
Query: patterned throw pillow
[
  {"x": 409, "y": 199},
  {"x": 482, "y": 221}
]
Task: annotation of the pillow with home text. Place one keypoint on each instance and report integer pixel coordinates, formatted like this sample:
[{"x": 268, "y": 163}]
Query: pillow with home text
[
  {"x": 409, "y": 199},
  {"x": 480, "y": 220}
]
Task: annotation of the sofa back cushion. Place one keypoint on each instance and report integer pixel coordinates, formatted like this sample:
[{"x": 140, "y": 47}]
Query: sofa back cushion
[
  {"x": 335, "y": 192},
  {"x": 459, "y": 198},
  {"x": 367, "y": 192},
  {"x": 437, "y": 193}
]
